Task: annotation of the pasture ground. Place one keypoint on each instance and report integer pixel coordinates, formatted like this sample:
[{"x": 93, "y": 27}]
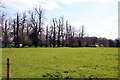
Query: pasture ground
[{"x": 61, "y": 62}]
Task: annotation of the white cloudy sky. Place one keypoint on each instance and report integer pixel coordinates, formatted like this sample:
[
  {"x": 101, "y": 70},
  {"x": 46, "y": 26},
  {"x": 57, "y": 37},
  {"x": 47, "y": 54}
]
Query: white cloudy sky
[{"x": 100, "y": 17}]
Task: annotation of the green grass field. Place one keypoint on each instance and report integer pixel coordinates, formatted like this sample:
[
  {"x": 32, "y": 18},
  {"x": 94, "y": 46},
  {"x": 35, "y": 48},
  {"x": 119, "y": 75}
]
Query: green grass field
[{"x": 61, "y": 62}]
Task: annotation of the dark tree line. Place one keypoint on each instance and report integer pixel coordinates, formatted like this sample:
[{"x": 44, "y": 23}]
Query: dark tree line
[{"x": 28, "y": 29}]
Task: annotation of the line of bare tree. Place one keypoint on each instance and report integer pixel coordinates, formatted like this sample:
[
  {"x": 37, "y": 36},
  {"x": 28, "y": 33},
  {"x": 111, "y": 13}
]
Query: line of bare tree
[{"x": 28, "y": 29}]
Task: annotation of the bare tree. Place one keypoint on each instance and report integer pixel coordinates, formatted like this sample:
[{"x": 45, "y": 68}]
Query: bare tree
[
  {"x": 72, "y": 36},
  {"x": 33, "y": 25},
  {"x": 22, "y": 32},
  {"x": 66, "y": 35},
  {"x": 5, "y": 34},
  {"x": 81, "y": 35},
  {"x": 36, "y": 25},
  {"x": 59, "y": 29},
  {"x": 23, "y": 23},
  {"x": 62, "y": 30},
  {"x": 51, "y": 36},
  {"x": 40, "y": 13},
  {"x": 82, "y": 31},
  {"x": 14, "y": 32},
  {"x": 17, "y": 32},
  {"x": 2, "y": 18},
  {"x": 46, "y": 36},
  {"x": 54, "y": 33},
  {"x": 69, "y": 35}
]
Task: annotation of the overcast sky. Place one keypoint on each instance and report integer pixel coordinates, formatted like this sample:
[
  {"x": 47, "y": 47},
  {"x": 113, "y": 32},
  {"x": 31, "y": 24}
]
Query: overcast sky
[{"x": 100, "y": 17}]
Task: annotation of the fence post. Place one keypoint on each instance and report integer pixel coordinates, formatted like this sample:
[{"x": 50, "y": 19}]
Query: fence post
[{"x": 8, "y": 69}]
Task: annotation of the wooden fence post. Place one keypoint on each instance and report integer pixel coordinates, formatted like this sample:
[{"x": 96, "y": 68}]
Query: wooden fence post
[{"x": 8, "y": 69}]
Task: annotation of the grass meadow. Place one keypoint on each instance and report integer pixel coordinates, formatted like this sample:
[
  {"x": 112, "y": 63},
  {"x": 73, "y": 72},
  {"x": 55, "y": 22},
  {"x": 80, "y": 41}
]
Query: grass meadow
[{"x": 61, "y": 62}]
